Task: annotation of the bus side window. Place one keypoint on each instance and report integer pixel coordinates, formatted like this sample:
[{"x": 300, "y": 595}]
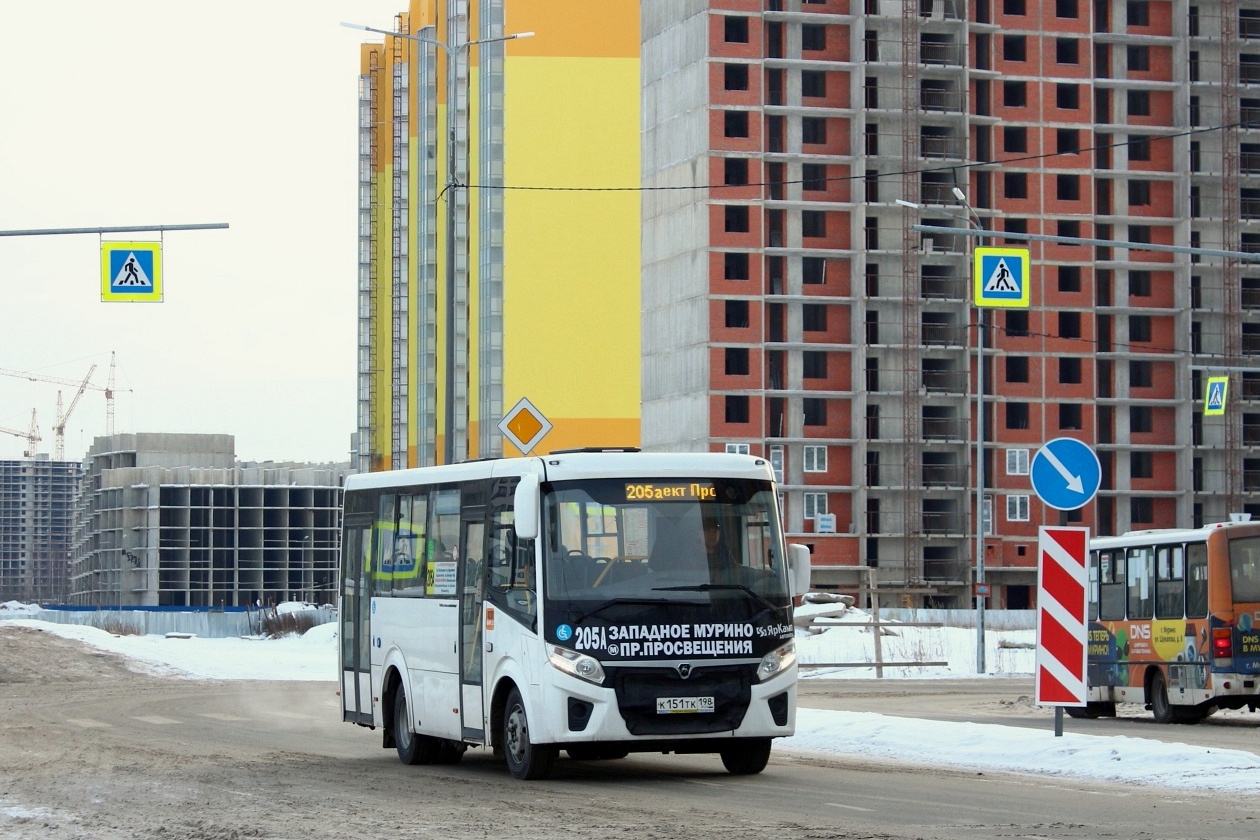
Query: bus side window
[
  {"x": 383, "y": 546},
  {"x": 1196, "y": 581},
  {"x": 442, "y": 544},
  {"x": 510, "y": 572},
  {"x": 409, "y": 560},
  {"x": 1141, "y": 580},
  {"x": 1111, "y": 595},
  {"x": 1093, "y": 585},
  {"x": 1169, "y": 582}
]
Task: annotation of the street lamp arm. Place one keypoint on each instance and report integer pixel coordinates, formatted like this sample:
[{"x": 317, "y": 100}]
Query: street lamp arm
[
  {"x": 971, "y": 222},
  {"x": 450, "y": 51},
  {"x": 962, "y": 197}
]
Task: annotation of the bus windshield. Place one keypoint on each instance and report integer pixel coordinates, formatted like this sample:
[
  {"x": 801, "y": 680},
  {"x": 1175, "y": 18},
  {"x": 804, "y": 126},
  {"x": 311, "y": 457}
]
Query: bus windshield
[{"x": 647, "y": 541}]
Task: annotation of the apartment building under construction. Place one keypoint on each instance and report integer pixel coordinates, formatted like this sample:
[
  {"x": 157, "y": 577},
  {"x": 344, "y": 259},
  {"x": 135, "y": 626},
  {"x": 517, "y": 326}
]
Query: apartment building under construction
[
  {"x": 174, "y": 520},
  {"x": 791, "y": 310},
  {"x": 37, "y": 498}
]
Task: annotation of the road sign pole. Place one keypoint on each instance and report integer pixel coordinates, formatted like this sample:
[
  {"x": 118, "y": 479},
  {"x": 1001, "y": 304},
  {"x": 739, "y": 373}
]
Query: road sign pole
[
  {"x": 980, "y": 666},
  {"x": 1001, "y": 278}
]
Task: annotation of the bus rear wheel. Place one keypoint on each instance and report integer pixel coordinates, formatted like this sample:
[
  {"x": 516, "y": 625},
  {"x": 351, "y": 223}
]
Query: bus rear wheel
[
  {"x": 744, "y": 758},
  {"x": 1161, "y": 709},
  {"x": 412, "y": 748},
  {"x": 525, "y": 759}
]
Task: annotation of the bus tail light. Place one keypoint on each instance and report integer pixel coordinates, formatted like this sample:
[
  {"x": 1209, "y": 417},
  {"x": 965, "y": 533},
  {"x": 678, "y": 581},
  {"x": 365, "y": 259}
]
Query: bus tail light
[{"x": 1222, "y": 647}]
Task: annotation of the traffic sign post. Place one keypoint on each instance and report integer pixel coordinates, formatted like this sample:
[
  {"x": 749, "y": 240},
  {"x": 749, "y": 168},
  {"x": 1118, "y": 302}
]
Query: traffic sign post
[
  {"x": 1001, "y": 280},
  {"x": 1066, "y": 474},
  {"x": 1062, "y": 651}
]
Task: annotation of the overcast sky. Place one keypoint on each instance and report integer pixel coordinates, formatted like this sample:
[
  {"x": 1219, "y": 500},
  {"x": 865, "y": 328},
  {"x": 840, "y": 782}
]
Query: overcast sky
[{"x": 148, "y": 112}]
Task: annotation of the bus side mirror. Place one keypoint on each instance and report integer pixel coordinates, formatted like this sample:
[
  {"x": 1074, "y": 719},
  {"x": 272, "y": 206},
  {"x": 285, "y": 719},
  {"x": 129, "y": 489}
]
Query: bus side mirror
[
  {"x": 525, "y": 503},
  {"x": 798, "y": 568}
]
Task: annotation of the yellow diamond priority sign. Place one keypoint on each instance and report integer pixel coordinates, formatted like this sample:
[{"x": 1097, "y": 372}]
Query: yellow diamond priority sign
[{"x": 524, "y": 426}]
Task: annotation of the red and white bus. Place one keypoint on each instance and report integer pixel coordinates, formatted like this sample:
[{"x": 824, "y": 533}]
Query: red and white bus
[
  {"x": 1175, "y": 622},
  {"x": 595, "y": 602}
]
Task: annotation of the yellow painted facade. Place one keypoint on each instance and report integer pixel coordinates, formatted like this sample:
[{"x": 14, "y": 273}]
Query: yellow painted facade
[
  {"x": 571, "y": 260},
  {"x": 572, "y": 277}
]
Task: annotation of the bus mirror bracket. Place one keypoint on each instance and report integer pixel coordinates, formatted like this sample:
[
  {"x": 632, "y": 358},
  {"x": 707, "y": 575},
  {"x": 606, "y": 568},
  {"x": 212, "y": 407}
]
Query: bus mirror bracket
[
  {"x": 525, "y": 503},
  {"x": 798, "y": 568}
]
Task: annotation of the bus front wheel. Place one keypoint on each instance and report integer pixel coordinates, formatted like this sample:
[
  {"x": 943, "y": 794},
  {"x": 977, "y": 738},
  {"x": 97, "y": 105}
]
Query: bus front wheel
[
  {"x": 525, "y": 759},
  {"x": 412, "y": 748},
  {"x": 744, "y": 758}
]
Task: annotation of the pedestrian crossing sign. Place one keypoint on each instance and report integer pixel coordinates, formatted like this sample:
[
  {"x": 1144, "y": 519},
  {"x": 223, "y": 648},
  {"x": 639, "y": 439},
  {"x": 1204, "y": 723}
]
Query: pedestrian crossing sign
[
  {"x": 1001, "y": 276},
  {"x": 1214, "y": 398},
  {"x": 131, "y": 271}
]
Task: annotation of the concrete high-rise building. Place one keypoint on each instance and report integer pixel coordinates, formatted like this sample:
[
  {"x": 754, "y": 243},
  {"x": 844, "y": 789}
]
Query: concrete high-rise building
[
  {"x": 790, "y": 309},
  {"x": 545, "y": 233},
  {"x": 173, "y": 520},
  {"x": 36, "y": 523}
]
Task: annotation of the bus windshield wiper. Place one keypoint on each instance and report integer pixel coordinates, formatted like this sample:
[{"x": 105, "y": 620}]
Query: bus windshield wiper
[
  {"x": 709, "y": 587},
  {"x": 650, "y": 602}
]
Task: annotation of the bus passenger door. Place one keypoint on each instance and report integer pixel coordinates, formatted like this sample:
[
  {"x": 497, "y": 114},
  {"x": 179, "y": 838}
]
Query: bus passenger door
[
  {"x": 473, "y": 546},
  {"x": 355, "y": 606}
]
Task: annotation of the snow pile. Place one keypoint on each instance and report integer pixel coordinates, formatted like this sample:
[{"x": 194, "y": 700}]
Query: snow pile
[
  {"x": 9, "y": 608},
  {"x": 1141, "y": 761},
  {"x": 291, "y": 607},
  {"x": 311, "y": 656}
]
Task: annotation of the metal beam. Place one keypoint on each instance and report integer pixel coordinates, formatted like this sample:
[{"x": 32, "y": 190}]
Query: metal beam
[
  {"x": 100, "y": 230},
  {"x": 1105, "y": 243}
]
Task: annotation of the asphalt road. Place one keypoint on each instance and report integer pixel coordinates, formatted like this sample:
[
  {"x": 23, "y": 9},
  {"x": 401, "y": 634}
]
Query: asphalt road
[{"x": 90, "y": 750}]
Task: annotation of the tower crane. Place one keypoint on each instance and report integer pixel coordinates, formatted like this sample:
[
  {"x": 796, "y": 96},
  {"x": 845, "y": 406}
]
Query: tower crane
[
  {"x": 31, "y": 435},
  {"x": 59, "y": 428},
  {"x": 56, "y": 380}
]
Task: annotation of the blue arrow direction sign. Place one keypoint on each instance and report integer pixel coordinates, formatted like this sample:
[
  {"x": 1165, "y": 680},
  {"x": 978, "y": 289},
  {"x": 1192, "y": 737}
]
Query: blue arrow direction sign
[{"x": 1066, "y": 473}]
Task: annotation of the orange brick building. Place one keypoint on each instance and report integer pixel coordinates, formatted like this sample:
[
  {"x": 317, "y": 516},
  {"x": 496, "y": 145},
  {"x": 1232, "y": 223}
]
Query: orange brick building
[{"x": 791, "y": 310}]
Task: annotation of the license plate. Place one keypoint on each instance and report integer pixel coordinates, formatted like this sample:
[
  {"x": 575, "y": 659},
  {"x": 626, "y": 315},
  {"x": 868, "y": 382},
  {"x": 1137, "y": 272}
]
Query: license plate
[{"x": 684, "y": 705}]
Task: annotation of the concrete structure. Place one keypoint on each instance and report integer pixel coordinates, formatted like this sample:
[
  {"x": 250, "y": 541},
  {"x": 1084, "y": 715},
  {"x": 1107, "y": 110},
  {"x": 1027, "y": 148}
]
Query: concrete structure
[
  {"x": 790, "y": 310},
  {"x": 36, "y": 523},
  {"x": 173, "y": 520},
  {"x": 545, "y": 303}
]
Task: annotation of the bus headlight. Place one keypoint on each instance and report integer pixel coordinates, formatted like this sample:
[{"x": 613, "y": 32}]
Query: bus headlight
[
  {"x": 578, "y": 664},
  {"x": 777, "y": 661}
]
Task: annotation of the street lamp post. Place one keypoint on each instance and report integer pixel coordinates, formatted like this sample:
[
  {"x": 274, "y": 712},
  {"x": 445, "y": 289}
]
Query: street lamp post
[
  {"x": 452, "y": 184},
  {"x": 973, "y": 222}
]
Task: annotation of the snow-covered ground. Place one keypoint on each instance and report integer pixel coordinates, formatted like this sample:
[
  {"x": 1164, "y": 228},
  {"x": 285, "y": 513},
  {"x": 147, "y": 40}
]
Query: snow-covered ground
[{"x": 313, "y": 656}]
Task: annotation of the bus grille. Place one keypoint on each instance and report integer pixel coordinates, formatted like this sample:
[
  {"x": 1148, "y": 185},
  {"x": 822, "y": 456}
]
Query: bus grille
[{"x": 638, "y": 688}]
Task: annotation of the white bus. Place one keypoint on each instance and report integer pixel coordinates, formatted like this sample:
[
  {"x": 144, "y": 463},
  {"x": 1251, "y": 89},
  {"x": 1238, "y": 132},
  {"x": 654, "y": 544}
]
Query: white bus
[{"x": 599, "y": 602}]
